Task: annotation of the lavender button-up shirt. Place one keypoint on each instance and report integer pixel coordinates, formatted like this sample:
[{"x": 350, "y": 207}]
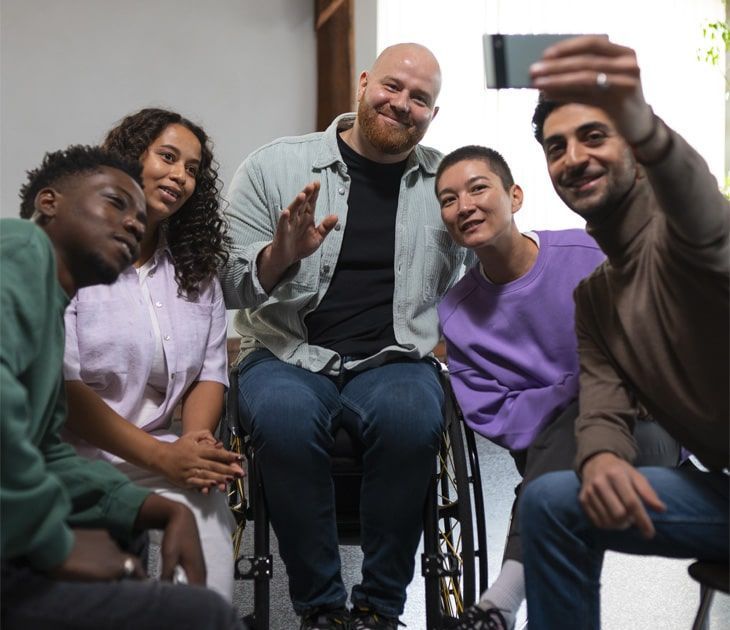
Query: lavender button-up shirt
[{"x": 110, "y": 343}]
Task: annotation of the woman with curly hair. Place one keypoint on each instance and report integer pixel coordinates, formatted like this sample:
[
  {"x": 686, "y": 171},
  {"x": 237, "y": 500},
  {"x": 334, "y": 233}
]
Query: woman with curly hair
[{"x": 155, "y": 340}]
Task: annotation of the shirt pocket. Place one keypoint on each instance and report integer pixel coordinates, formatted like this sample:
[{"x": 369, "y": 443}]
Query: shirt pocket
[
  {"x": 298, "y": 289},
  {"x": 192, "y": 327},
  {"x": 442, "y": 262},
  {"x": 112, "y": 341}
]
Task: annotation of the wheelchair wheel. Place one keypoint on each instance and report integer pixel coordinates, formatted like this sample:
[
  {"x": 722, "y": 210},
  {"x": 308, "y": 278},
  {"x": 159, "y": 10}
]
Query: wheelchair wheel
[
  {"x": 455, "y": 562},
  {"x": 245, "y": 499}
]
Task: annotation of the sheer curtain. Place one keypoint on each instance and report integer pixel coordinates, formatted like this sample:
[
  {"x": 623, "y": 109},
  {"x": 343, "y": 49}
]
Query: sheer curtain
[{"x": 688, "y": 94}]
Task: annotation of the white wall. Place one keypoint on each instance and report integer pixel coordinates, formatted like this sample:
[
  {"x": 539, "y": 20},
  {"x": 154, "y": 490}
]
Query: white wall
[
  {"x": 366, "y": 36},
  {"x": 244, "y": 69}
]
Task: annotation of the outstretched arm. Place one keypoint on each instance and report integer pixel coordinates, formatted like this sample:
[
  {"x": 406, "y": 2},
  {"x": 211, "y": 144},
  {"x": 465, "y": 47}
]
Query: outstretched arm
[{"x": 594, "y": 71}]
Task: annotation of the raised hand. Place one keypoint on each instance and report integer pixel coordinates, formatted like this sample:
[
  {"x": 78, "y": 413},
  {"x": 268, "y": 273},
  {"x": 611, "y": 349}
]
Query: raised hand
[
  {"x": 613, "y": 494},
  {"x": 297, "y": 236},
  {"x": 594, "y": 71},
  {"x": 96, "y": 557}
]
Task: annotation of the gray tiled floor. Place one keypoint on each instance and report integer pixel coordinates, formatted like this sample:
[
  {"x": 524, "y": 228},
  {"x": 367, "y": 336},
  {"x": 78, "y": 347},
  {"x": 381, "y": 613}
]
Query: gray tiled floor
[{"x": 638, "y": 593}]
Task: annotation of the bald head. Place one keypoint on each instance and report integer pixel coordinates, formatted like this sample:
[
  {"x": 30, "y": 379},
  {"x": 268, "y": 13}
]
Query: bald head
[
  {"x": 396, "y": 103},
  {"x": 416, "y": 57}
]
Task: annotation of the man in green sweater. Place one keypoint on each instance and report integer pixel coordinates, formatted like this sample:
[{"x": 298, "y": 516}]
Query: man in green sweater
[{"x": 64, "y": 517}]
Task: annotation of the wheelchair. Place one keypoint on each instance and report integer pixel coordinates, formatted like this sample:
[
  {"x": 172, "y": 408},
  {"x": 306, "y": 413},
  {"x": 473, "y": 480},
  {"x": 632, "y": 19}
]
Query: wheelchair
[{"x": 454, "y": 560}]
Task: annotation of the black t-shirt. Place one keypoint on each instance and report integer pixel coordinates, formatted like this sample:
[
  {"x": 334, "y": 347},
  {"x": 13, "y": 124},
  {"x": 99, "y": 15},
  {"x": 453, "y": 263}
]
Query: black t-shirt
[{"x": 355, "y": 317}]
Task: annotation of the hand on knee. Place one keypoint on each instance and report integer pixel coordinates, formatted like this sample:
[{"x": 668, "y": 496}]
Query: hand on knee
[{"x": 613, "y": 494}]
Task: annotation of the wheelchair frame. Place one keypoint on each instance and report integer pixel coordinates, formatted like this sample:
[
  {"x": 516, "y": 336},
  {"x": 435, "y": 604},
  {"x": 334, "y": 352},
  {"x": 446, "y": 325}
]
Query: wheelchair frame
[{"x": 454, "y": 559}]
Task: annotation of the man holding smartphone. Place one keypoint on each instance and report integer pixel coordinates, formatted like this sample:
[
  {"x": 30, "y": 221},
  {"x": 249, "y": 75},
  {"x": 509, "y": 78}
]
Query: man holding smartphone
[{"x": 652, "y": 326}]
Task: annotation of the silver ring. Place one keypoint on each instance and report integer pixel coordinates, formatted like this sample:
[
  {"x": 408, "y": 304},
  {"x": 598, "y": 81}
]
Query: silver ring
[
  {"x": 128, "y": 567},
  {"x": 602, "y": 81}
]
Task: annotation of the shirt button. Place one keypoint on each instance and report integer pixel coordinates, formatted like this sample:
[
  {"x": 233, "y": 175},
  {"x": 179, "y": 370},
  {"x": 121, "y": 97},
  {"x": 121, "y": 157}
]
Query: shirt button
[
  {"x": 172, "y": 376},
  {"x": 151, "y": 274},
  {"x": 341, "y": 190},
  {"x": 158, "y": 304},
  {"x": 326, "y": 268},
  {"x": 338, "y": 227},
  {"x": 167, "y": 337},
  {"x": 299, "y": 364}
]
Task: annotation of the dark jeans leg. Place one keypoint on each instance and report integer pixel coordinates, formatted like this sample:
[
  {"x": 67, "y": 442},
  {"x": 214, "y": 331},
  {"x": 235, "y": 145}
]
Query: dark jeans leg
[
  {"x": 32, "y": 601},
  {"x": 396, "y": 409},
  {"x": 563, "y": 551},
  {"x": 289, "y": 413},
  {"x": 554, "y": 449}
]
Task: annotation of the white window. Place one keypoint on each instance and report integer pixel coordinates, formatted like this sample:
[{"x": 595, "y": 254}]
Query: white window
[{"x": 688, "y": 94}]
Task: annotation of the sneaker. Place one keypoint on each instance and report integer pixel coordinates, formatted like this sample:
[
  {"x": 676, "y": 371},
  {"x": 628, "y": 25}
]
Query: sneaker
[
  {"x": 365, "y": 619},
  {"x": 331, "y": 619},
  {"x": 475, "y": 618}
]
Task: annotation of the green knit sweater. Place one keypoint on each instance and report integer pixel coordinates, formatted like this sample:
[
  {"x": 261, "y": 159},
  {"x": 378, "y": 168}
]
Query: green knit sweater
[{"x": 45, "y": 488}]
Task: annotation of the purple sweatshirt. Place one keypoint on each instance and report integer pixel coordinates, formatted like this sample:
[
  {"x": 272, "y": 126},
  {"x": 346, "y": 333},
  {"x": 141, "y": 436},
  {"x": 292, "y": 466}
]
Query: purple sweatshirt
[{"x": 512, "y": 350}]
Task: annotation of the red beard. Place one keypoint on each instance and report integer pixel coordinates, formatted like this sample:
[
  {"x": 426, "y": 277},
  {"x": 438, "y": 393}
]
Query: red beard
[{"x": 388, "y": 139}]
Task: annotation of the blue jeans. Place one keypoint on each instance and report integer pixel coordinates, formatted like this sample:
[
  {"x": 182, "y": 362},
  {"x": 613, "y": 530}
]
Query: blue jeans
[
  {"x": 291, "y": 413},
  {"x": 563, "y": 551}
]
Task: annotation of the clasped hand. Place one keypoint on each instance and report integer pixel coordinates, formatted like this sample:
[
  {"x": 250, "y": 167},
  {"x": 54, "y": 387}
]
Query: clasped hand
[{"x": 198, "y": 461}]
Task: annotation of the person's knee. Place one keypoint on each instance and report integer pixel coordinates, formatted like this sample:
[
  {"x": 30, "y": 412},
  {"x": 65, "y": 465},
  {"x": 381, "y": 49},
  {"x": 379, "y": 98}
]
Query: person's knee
[
  {"x": 287, "y": 417},
  {"x": 409, "y": 406},
  {"x": 532, "y": 505},
  {"x": 409, "y": 428}
]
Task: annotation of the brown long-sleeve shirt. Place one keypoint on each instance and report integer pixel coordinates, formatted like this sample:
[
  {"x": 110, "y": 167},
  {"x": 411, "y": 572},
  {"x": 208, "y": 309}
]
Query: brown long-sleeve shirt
[{"x": 653, "y": 320}]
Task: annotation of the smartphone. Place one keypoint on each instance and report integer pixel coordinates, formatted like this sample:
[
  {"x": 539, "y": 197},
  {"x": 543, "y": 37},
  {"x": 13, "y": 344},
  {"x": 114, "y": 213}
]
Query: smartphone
[{"x": 507, "y": 58}]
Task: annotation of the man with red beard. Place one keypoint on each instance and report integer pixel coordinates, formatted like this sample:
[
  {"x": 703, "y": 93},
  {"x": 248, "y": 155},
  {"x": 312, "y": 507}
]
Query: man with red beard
[{"x": 338, "y": 291}]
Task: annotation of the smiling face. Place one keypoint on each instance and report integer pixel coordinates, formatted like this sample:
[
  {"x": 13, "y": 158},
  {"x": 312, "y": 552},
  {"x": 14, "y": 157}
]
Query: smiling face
[
  {"x": 590, "y": 164},
  {"x": 476, "y": 208},
  {"x": 96, "y": 221},
  {"x": 169, "y": 170},
  {"x": 396, "y": 102}
]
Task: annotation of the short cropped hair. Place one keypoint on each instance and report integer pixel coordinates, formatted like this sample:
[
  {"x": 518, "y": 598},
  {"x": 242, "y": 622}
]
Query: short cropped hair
[
  {"x": 497, "y": 164},
  {"x": 543, "y": 109},
  {"x": 74, "y": 160}
]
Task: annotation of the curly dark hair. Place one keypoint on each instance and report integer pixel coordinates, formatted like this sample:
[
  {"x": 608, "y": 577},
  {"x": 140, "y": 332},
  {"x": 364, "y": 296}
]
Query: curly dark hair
[
  {"x": 543, "y": 109},
  {"x": 74, "y": 160},
  {"x": 196, "y": 233},
  {"x": 493, "y": 158}
]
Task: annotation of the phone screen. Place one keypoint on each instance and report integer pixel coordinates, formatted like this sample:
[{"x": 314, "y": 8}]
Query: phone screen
[{"x": 507, "y": 58}]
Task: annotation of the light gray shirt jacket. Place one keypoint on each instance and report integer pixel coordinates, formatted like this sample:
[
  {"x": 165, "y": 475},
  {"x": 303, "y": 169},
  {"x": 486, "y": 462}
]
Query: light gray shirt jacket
[{"x": 426, "y": 260}]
